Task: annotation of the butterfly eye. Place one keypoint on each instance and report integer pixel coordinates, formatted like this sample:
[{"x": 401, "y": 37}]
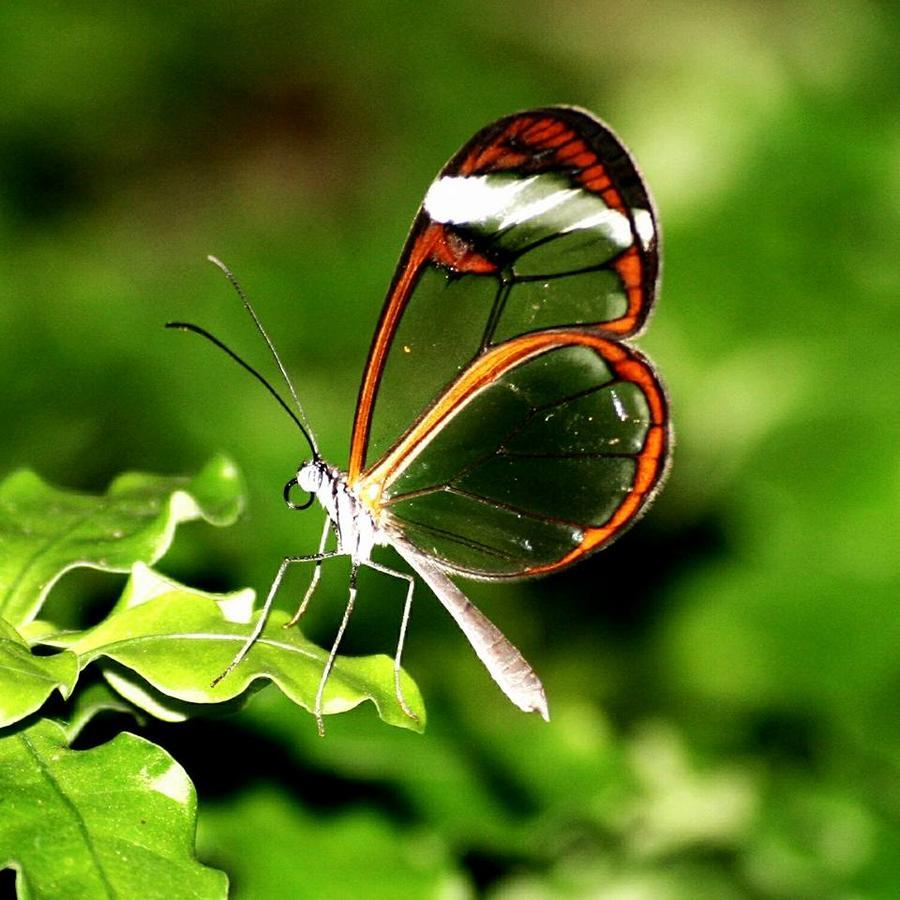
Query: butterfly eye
[{"x": 287, "y": 496}]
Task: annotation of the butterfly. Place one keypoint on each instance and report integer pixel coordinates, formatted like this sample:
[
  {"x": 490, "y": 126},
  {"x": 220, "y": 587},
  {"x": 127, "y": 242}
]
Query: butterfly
[{"x": 505, "y": 427}]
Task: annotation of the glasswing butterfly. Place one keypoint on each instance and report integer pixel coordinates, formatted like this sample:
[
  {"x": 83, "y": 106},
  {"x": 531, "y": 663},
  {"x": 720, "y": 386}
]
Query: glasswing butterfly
[{"x": 504, "y": 427}]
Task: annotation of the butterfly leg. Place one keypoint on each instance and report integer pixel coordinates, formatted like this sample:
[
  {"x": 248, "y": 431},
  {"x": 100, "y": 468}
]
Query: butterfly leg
[
  {"x": 329, "y": 665},
  {"x": 407, "y": 608},
  {"x": 267, "y": 606},
  {"x": 317, "y": 574}
]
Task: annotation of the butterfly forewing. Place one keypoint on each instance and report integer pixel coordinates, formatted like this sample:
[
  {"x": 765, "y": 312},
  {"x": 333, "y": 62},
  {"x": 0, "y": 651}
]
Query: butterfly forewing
[
  {"x": 540, "y": 221},
  {"x": 536, "y": 435}
]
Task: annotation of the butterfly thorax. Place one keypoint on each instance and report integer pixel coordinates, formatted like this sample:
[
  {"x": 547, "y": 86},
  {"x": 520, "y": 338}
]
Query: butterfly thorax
[{"x": 356, "y": 529}]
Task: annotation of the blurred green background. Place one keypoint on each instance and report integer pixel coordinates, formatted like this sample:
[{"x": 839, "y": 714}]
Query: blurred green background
[{"x": 724, "y": 681}]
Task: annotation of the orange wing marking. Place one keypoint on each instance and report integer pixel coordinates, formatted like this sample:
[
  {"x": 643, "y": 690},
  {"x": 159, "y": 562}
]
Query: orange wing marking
[
  {"x": 541, "y": 129},
  {"x": 594, "y": 178},
  {"x": 630, "y": 269},
  {"x": 545, "y": 134}
]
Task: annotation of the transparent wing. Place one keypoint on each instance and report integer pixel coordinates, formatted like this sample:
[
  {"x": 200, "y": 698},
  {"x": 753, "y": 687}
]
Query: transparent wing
[
  {"x": 542, "y": 450},
  {"x": 541, "y": 221}
]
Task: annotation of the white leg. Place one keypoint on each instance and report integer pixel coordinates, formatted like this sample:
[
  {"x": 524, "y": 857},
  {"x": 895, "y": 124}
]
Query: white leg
[
  {"x": 264, "y": 613},
  {"x": 329, "y": 665},
  {"x": 404, "y": 621},
  {"x": 317, "y": 574}
]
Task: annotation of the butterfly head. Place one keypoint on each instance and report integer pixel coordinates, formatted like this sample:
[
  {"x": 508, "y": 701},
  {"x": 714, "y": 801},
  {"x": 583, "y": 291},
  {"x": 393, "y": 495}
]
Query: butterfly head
[{"x": 310, "y": 477}]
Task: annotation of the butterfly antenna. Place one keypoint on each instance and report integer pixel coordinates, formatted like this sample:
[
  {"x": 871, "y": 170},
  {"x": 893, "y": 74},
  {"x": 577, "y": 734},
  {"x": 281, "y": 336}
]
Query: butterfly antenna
[
  {"x": 259, "y": 327},
  {"x": 196, "y": 329}
]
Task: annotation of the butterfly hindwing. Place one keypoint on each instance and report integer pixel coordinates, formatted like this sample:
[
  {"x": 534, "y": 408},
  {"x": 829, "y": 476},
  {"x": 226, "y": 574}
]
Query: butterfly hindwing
[{"x": 544, "y": 449}]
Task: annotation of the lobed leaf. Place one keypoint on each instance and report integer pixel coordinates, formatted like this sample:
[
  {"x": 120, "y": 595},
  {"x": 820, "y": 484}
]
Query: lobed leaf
[
  {"x": 114, "y": 821},
  {"x": 46, "y": 531},
  {"x": 178, "y": 640}
]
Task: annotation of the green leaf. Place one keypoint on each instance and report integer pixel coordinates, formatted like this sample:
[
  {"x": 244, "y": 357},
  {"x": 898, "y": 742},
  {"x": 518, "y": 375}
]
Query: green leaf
[
  {"x": 26, "y": 680},
  {"x": 46, "y": 531},
  {"x": 178, "y": 640},
  {"x": 114, "y": 821}
]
